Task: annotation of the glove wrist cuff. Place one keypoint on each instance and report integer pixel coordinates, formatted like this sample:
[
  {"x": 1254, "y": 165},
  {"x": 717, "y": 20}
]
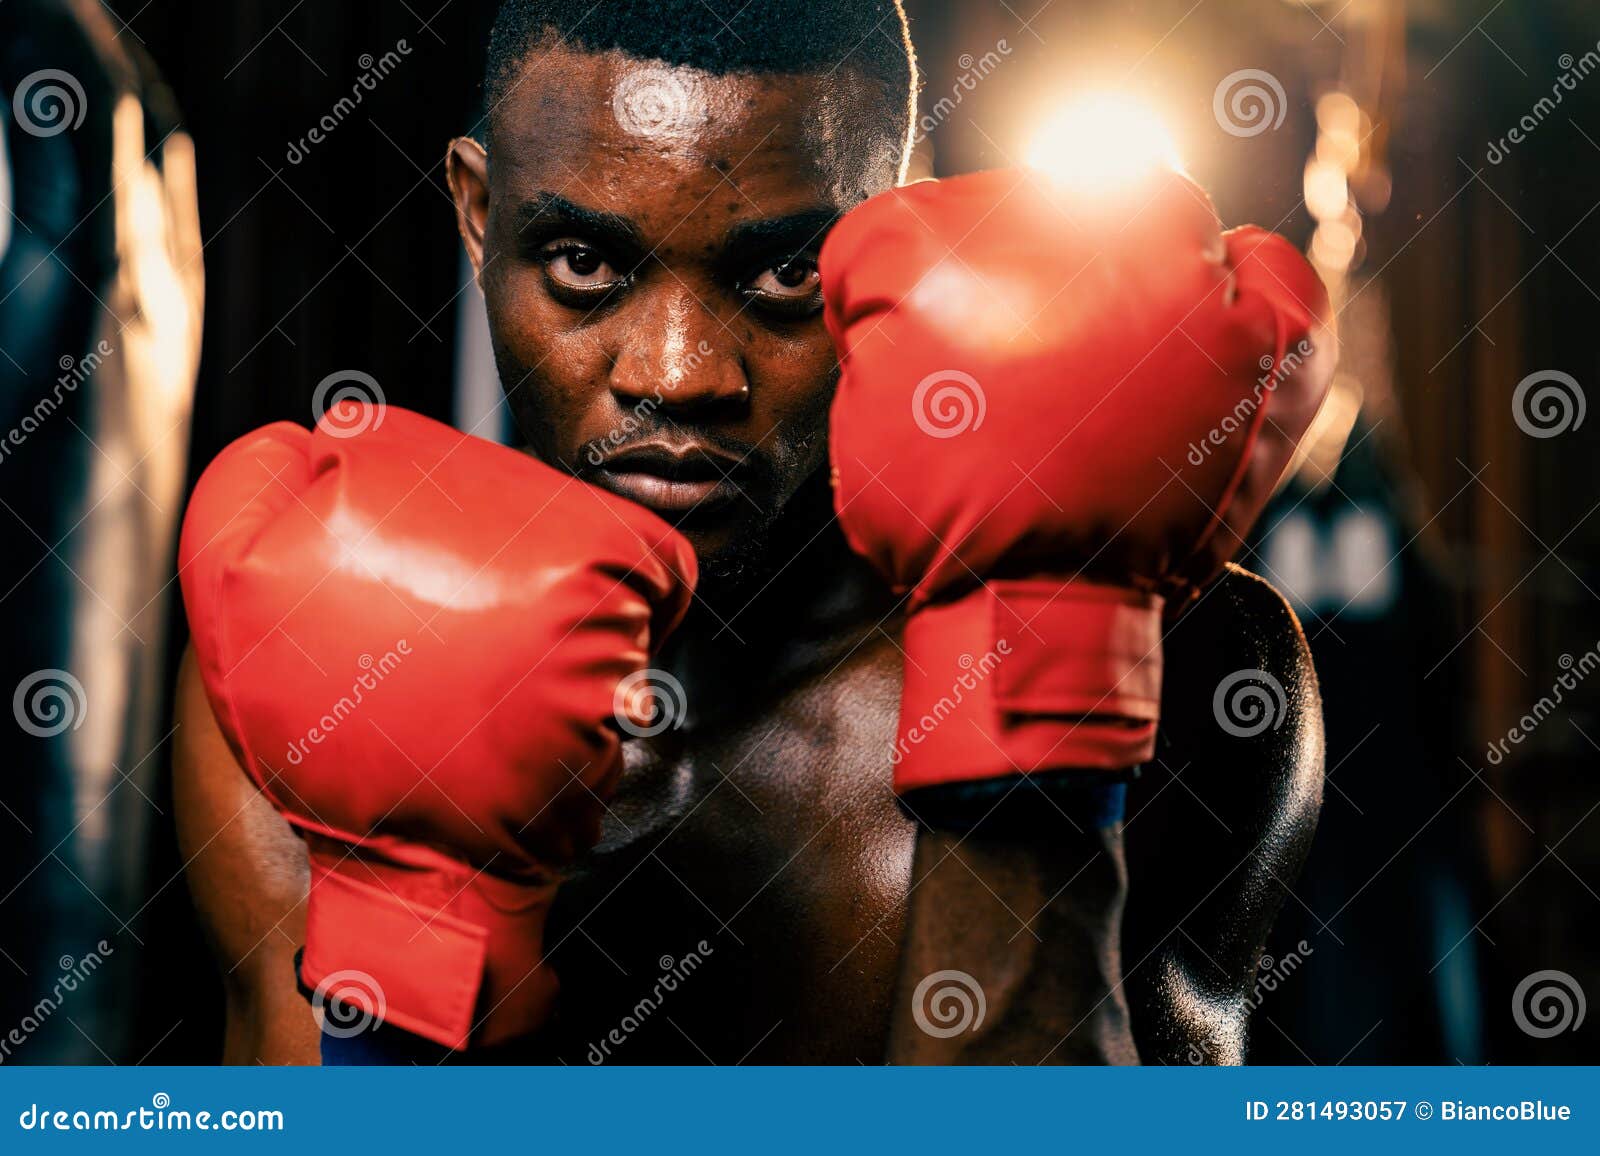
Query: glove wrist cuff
[
  {"x": 1029, "y": 676},
  {"x": 447, "y": 953}
]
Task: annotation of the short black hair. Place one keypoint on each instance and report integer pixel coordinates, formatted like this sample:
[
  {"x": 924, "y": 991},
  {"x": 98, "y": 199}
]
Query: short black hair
[{"x": 870, "y": 37}]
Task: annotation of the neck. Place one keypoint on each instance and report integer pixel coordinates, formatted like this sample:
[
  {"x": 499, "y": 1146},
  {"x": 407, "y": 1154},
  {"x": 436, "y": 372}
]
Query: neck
[{"x": 799, "y": 612}]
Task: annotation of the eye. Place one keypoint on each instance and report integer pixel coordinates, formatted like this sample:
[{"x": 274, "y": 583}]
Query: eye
[
  {"x": 577, "y": 266},
  {"x": 794, "y": 280}
]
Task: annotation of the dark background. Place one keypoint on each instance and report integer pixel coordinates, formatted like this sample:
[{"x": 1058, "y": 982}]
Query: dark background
[{"x": 1439, "y": 881}]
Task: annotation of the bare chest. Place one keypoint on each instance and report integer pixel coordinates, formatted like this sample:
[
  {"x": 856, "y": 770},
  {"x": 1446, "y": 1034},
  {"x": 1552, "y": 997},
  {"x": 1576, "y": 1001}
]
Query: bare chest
[{"x": 748, "y": 898}]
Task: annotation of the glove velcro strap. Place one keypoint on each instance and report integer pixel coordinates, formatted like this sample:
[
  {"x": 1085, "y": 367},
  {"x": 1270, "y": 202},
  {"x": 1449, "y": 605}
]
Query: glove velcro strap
[
  {"x": 447, "y": 954},
  {"x": 1027, "y": 676}
]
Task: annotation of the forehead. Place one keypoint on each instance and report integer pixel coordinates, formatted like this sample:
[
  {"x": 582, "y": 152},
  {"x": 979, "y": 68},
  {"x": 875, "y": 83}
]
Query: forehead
[{"x": 647, "y": 139}]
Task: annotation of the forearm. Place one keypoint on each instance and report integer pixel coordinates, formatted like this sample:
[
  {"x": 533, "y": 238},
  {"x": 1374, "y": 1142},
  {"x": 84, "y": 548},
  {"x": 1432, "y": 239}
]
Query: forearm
[
  {"x": 1012, "y": 949},
  {"x": 268, "y": 1025}
]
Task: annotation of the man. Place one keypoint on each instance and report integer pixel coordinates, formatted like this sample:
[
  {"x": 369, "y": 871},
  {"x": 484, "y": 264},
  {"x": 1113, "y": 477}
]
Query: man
[{"x": 647, "y": 214}]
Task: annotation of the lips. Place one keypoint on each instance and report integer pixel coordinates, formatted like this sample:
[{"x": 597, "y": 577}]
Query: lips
[{"x": 673, "y": 479}]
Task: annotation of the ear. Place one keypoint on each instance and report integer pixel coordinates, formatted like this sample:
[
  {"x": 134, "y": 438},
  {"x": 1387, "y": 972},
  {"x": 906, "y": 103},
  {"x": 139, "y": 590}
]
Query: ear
[{"x": 466, "y": 168}]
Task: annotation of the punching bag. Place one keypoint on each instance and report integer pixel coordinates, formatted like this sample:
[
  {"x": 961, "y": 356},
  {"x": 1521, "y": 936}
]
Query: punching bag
[{"x": 100, "y": 309}]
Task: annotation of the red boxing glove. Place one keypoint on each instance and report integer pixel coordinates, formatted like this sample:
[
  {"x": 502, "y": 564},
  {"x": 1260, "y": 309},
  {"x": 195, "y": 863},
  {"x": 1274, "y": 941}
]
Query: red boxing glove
[
  {"x": 413, "y": 641},
  {"x": 1059, "y": 412}
]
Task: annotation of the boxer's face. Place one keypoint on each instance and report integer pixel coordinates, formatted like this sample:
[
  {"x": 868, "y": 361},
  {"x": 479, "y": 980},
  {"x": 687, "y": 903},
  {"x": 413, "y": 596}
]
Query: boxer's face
[{"x": 646, "y": 239}]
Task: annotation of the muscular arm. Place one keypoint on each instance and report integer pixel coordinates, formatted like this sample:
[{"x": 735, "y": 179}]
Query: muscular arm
[
  {"x": 1030, "y": 902},
  {"x": 1027, "y": 907},
  {"x": 1219, "y": 825},
  {"x": 247, "y": 872}
]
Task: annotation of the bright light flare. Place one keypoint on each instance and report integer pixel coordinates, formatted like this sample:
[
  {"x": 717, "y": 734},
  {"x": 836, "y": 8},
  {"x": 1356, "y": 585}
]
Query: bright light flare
[{"x": 1104, "y": 141}]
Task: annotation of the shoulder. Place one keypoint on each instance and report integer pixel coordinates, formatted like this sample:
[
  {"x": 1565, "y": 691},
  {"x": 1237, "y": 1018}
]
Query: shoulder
[
  {"x": 1241, "y": 705},
  {"x": 1240, "y": 648},
  {"x": 1239, "y": 618}
]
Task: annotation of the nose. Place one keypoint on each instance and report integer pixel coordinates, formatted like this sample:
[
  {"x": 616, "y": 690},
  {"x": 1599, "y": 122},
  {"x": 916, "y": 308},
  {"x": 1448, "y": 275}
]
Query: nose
[{"x": 679, "y": 354}]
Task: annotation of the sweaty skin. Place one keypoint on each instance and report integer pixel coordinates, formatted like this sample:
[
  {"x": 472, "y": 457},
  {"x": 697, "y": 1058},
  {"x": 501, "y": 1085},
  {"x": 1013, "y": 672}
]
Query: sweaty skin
[{"x": 758, "y": 895}]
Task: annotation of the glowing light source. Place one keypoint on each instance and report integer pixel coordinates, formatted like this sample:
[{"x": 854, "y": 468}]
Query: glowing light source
[
  {"x": 1333, "y": 245},
  {"x": 1342, "y": 126},
  {"x": 1327, "y": 190},
  {"x": 1103, "y": 141}
]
